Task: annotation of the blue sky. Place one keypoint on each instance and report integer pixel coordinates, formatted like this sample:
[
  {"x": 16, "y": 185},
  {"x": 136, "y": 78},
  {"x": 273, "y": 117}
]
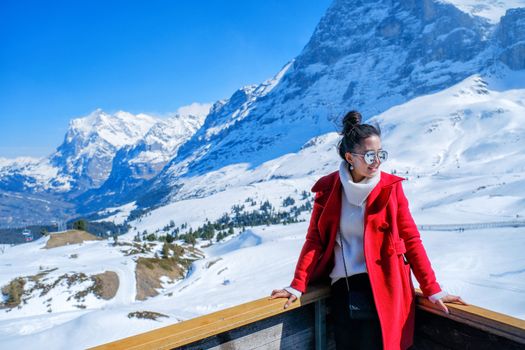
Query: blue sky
[{"x": 63, "y": 59}]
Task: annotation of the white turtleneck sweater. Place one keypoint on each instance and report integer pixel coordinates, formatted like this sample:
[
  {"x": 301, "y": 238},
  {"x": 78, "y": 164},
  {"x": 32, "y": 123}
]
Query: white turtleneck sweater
[
  {"x": 351, "y": 224},
  {"x": 351, "y": 228}
]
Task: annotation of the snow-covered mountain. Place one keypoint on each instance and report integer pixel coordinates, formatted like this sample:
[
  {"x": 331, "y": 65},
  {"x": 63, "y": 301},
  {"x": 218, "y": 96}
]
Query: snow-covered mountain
[
  {"x": 475, "y": 127},
  {"x": 83, "y": 160},
  {"x": 91, "y": 143},
  {"x": 445, "y": 80},
  {"x": 39, "y": 191},
  {"x": 460, "y": 146},
  {"x": 137, "y": 163},
  {"x": 368, "y": 56},
  {"x": 137, "y": 146}
]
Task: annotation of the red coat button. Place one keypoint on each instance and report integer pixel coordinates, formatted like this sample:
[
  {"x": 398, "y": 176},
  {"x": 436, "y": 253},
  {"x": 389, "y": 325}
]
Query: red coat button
[
  {"x": 390, "y": 251},
  {"x": 384, "y": 226}
]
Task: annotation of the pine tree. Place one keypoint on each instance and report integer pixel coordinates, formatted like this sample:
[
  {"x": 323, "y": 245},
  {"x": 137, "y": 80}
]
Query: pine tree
[
  {"x": 165, "y": 250},
  {"x": 80, "y": 225}
]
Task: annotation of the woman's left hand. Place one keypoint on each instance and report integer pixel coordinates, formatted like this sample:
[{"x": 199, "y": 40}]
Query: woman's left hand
[{"x": 449, "y": 299}]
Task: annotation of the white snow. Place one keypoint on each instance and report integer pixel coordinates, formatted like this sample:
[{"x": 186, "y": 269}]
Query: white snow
[
  {"x": 492, "y": 10},
  {"x": 5, "y": 162},
  {"x": 118, "y": 129},
  {"x": 117, "y": 215},
  {"x": 245, "y": 267},
  {"x": 462, "y": 151}
]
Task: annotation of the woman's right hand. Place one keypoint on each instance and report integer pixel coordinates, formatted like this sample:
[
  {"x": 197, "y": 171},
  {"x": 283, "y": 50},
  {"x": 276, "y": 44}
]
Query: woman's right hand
[{"x": 281, "y": 293}]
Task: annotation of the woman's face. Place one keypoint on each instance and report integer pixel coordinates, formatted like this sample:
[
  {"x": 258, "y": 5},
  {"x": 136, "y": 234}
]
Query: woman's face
[{"x": 361, "y": 168}]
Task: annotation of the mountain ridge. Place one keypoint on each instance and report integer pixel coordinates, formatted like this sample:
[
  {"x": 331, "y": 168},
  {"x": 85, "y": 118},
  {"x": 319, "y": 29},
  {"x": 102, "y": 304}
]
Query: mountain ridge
[
  {"x": 445, "y": 53},
  {"x": 365, "y": 55}
]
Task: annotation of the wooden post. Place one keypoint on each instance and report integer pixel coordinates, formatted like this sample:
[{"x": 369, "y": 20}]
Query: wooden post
[{"x": 320, "y": 325}]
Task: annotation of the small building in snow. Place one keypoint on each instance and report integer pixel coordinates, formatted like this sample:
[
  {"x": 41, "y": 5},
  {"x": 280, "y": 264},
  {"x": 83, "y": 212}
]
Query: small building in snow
[{"x": 28, "y": 235}]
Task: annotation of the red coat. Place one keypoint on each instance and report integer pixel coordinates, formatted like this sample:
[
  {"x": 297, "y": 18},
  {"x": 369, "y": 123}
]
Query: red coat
[{"x": 389, "y": 232}]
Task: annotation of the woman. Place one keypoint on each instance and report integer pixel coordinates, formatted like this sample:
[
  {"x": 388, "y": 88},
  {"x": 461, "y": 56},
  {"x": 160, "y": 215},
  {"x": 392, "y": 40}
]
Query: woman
[{"x": 362, "y": 237}]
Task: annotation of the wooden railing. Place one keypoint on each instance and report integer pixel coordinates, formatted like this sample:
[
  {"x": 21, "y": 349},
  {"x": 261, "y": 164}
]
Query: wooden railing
[{"x": 183, "y": 334}]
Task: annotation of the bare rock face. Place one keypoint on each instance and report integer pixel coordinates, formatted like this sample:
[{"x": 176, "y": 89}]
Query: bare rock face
[
  {"x": 511, "y": 37},
  {"x": 107, "y": 284}
]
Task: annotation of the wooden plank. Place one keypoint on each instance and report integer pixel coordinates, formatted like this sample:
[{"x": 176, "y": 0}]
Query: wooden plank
[
  {"x": 211, "y": 324},
  {"x": 291, "y": 330},
  {"x": 320, "y": 325}
]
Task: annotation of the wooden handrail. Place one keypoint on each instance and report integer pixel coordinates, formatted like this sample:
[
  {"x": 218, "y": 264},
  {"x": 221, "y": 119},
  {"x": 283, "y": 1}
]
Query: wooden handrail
[
  {"x": 201, "y": 327},
  {"x": 205, "y": 326}
]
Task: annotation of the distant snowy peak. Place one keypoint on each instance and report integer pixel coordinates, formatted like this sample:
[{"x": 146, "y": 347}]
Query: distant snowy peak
[
  {"x": 91, "y": 142},
  {"x": 135, "y": 147},
  {"x": 17, "y": 162},
  {"x": 118, "y": 129},
  {"x": 492, "y": 10},
  {"x": 165, "y": 137},
  {"x": 137, "y": 163}
]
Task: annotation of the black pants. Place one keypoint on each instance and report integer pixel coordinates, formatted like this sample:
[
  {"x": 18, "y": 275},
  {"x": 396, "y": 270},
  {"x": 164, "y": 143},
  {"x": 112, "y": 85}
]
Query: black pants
[{"x": 353, "y": 334}]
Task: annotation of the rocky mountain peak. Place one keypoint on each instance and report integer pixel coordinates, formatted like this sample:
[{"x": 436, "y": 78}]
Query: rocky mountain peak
[
  {"x": 92, "y": 141},
  {"x": 511, "y": 37},
  {"x": 365, "y": 55}
]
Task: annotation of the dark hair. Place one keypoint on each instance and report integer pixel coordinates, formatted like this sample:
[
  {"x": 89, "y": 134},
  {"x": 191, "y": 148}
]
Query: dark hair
[{"x": 354, "y": 132}]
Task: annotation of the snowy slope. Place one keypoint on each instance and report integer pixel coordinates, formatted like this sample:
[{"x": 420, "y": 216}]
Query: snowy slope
[
  {"x": 470, "y": 263},
  {"x": 365, "y": 56},
  {"x": 244, "y": 268},
  {"x": 467, "y": 140}
]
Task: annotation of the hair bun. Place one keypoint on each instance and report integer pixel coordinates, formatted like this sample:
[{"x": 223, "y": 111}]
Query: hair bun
[{"x": 351, "y": 120}]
